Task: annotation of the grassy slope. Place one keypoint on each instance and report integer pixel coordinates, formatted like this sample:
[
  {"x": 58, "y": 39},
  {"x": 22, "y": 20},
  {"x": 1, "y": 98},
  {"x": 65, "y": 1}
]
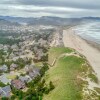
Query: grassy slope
[
  {"x": 64, "y": 75},
  {"x": 56, "y": 52}
]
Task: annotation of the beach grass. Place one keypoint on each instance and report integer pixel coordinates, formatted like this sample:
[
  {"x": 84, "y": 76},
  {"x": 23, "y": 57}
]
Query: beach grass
[
  {"x": 93, "y": 77},
  {"x": 55, "y": 52},
  {"x": 64, "y": 75}
]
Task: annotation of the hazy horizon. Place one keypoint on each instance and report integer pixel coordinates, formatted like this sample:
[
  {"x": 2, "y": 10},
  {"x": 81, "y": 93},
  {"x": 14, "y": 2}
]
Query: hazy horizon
[{"x": 48, "y": 16}]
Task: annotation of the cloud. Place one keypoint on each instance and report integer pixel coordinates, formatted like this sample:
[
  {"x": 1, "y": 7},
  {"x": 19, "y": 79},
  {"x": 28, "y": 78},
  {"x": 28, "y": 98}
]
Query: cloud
[
  {"x": 61, "y": 8},
  {"x": 86, "y": 4}
]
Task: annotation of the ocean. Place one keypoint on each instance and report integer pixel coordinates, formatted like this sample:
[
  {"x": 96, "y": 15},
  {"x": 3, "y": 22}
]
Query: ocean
[{"x": 89, "y": 31}]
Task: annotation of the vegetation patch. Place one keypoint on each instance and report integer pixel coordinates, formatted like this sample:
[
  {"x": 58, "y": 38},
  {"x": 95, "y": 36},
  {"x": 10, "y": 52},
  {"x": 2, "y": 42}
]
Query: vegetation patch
[
  {"x": 66, "y": 75},
  {"x": 93, "y": 78},
  {"x": 55, "y": 52},
  {"x": 11, "y": 76},
  {"x": 97, "y": 89},
  {"x": 8, "y": 41}
]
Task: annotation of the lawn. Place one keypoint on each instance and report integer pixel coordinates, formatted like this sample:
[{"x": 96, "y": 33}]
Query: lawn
[
  {"x": 64, "y": 75},
  {"x": 11, "y": 77}
]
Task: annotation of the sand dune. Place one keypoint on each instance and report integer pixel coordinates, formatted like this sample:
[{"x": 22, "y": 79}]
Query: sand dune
[{"x": 92, "y": 54}]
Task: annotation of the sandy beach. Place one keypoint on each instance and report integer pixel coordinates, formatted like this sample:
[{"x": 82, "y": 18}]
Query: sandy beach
[{"x": 92, "y": 54}]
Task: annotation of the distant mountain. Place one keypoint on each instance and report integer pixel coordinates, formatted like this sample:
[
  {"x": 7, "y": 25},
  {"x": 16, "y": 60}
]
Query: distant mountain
[
  {"x": 92, "y": 18},
  {"x": 54, "y": 21},
  {"x": 17, "y": 19},
  {"x": 46, "y": 20},
  {"x": 8, "y": 23}
]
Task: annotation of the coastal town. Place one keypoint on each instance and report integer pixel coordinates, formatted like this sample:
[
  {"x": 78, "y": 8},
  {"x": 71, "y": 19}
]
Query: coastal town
[
  {"x": 49, "y": 50},
  {"x": 47, "y": 62},
  {"x": 23, "y": 61}
]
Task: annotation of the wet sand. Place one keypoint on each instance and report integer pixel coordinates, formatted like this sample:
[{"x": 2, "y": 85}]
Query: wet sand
[{"x": 88, "y": 49}]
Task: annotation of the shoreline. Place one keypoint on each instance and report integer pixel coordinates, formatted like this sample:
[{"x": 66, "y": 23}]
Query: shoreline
[
  {"x": 91, "y": 43},
  {"x": 87, "y": 48}
]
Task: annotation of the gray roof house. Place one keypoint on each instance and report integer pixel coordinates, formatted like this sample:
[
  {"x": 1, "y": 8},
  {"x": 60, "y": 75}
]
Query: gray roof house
[
  {"x": 4, "y": 68},
  {"x": 25, "y": 78},
  {"x": 29, "y": 67},
  {"x": 5, "y": 47},
  {"x": 4, "y": 79},
  {"x": 11, "y": 55},
  {"x": 34, "y": 73},
  {"x": 1, "y": 46},
  {"x": 39, "y": 54},
  {"x": 5, "y": 91},
  {"x": 13, "y": 66}
]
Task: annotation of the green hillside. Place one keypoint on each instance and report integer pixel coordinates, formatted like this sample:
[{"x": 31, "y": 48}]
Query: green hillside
[{"x": 66, "y": 74}]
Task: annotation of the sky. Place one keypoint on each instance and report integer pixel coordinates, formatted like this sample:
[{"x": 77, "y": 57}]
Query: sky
[{"x": 57, "y": 8}]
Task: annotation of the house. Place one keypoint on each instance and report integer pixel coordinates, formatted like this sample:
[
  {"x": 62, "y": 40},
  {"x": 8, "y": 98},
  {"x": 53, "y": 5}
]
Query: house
[
  {"x": 25, "y": 59},
  {"x": 1, "y": 46},
  {"x": 18, "y": 84},
  {"x": 4, "y": 79},
  {"x": 34, "y": 73},
  {"x": 6, "y": 47},
  {"x": 15, "y": 58},
  {"x": 35, "y": 48},
  {"x": 14, "y": 47},
  {"x": 4, "y": 68},
  {"x": 29, "y": 67},
  {"x": 25, "y": 78},
  {"x": 13, "y": 67},
  {"x": 11, "y": 55},
  {"x": 39, "y": 54},
  {"x": 26, "y": 68},
  {"x": 5, "y": 91},
  {"x": 42, "y": 42}
]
